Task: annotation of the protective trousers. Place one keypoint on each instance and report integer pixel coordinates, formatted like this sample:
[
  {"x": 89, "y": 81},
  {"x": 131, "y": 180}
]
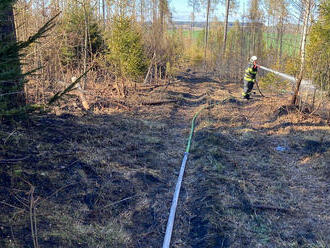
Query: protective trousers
[{"x": 248, "y": 86}]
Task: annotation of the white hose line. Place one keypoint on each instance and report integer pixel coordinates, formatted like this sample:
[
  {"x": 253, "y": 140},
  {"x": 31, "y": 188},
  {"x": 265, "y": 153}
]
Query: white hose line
[
  {"x": 285, "y": 76},
  {"x": 306, "y": 85},
  {"x": 170, "y": 222}
]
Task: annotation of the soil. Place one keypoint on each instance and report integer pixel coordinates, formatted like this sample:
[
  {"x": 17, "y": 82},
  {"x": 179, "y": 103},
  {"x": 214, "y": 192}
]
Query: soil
[{"x": 257, "y": 173}]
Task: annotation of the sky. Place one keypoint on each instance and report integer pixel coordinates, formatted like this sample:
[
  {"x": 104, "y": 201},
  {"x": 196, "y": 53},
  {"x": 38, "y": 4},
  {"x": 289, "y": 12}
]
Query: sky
[{"x": 181, "y": 11}]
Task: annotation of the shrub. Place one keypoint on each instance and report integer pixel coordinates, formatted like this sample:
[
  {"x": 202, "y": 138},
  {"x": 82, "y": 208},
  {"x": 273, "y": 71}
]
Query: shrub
[
  {"x": 126, "y": 51},
  {"x": 318, "y": 49},
  {"x": 73, "y": 34}
]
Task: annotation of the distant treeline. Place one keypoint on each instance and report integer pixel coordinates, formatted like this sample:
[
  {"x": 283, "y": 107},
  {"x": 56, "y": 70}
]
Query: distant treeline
[{"x": 230, "y": 24}]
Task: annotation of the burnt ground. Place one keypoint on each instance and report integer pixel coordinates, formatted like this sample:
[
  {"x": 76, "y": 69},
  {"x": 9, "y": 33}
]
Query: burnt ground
[{"x": 257, "y": 173}]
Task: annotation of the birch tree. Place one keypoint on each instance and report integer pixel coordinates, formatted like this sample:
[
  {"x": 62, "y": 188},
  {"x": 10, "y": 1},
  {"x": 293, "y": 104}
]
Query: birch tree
[
  {"x": 278, "y": 11},
  {"x": 196, "y": 5},
  {"x": 206, "y": 29},
  {"x": 308, "y": 5},
  {"x": 318, "y": 49},
  {"x": 255, "y": 16},
  {"x": 225, "y": 28}
]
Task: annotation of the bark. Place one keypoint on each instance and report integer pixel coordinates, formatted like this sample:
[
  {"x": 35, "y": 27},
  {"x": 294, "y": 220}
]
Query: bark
[
  {"x": 103, "y": 12},
  {"x": 225, "y": 29},
  {"x": 154, "y": 24},
  {"x": 206, "y": 29},
  {"x": 154, "y": 12},
  {"x": 85, "y": 45},
  {"x": 142, "y": 11},
  {"x": 7, "y": 25},
  {"x": 281, "y": 42},
  {"x": 161, "y": 15},
  {"x": 192, "y": 23},
  {"x": 303, "y": 54},
  {"x": 8, "y": 37}
]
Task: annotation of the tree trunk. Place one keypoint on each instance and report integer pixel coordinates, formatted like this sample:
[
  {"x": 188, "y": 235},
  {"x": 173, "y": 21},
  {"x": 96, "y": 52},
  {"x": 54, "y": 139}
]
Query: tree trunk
[
  {"x": 280, "y": 30},
  {"x": 154, "y": 13},
  {"x": 225, "y": 29},
  {"x": 161, "y": 15},
  {"x": 281, "y": 42},
  {"x": 303, "y": 44},
  {"x": 85, "y": 45},
  {"x": 277, "y": 42},
  {"x": 11, "y": 89},
  {"x": 154, "y": 24},
  {"x": 142, "y": 11},
  {"x": 103, "y": 12},
  {"x": 192, "y": 23},
  {"x": 206, "y": 30}
]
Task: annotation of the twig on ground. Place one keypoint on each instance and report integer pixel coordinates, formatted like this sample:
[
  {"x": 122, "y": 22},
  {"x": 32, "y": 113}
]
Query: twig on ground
[
  {"x": 55, "y": 192},
  {"x": 160, "y": 102},
  {"x": 10, "y": 205},
  {"x": 33, "y": 220},
  {"x": 117, "y": 202},
  {"x": 12, "y": 235},
  {"x": 11, "y": 134},
  {"x": 149, "y": 69},
  {"x": 253, "y": 113},
  {"x": 264, "y": 207},
  {"x": 14, "y": 160},
  {"x": 123, "y": 105},
  {"x": 21, "y": 200}
]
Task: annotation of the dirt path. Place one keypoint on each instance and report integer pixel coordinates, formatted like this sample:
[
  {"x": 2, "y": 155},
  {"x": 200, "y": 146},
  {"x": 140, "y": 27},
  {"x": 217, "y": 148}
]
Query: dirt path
[{"x": 256, "y": 176}]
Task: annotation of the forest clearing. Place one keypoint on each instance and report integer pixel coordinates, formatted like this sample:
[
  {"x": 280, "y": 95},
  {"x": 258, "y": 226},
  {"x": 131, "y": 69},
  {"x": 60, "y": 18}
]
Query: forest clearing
[
  {"x": 106, "y": 180},
  {"x": 97, "y": 103}
]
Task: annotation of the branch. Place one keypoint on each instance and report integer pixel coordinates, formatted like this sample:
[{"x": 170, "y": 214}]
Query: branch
[
  {"x": 71, "y": 87},
  {"x": 14, "y": 160}
]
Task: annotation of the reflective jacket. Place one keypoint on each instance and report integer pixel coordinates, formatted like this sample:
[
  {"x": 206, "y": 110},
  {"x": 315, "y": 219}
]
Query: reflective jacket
[{"x": 250, "y": 73}]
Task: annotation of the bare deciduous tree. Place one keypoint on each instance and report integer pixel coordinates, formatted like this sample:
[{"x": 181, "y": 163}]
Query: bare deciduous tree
[{"x": 308, "y": 5}]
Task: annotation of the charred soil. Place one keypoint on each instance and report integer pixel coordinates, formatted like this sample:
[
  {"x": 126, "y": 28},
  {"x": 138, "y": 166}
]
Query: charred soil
[{"x": 257, "y": 176}]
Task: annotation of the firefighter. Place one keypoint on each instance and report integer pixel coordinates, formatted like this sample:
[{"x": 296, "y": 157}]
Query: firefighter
[{"x": 250, "y": 77}]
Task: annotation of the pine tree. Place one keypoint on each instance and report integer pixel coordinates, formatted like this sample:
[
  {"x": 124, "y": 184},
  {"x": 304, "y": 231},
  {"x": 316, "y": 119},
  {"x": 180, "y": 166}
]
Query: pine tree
[
  {"x": 318, "y": 49},
  {"x": 11, "y": 78},
  {"x": 81, "y": 35},
  {"x": 12, "y": 97},
  {"x": 126, "y": 49}
]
